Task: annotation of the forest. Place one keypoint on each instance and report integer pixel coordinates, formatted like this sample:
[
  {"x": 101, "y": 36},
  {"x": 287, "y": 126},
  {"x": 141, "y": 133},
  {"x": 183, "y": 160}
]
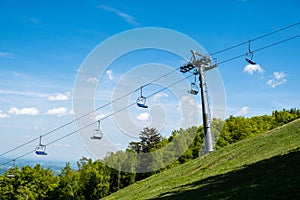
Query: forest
[{"x": 95, "y": 179}]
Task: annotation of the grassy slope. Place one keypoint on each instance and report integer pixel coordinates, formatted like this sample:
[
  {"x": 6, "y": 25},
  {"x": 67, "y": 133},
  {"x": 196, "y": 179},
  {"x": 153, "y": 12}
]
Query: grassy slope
[{"x": 267, "y": 166}]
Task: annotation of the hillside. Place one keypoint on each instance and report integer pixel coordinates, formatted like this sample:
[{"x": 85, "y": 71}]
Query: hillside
[{"x": 266, "y": 166}]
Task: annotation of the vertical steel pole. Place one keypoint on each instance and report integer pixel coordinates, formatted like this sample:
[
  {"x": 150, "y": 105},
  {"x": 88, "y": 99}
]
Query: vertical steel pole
[
  {"x": 208, "y": 138},
  {"x": 204, "y": 64}
]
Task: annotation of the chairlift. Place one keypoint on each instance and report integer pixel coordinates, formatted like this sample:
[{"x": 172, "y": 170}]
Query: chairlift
[
  {"x": 249, "y": 55},
  {"x": 97, "y": 133},
  {"x": 141, "y": 101},
  {"x": 10, "y": 170},
  {"x": 41, "y": 148},
  {"x": 194, "y": 88}
]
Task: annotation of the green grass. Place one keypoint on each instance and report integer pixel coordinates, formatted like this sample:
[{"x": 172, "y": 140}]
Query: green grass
[{"x": 262, "y": 167}]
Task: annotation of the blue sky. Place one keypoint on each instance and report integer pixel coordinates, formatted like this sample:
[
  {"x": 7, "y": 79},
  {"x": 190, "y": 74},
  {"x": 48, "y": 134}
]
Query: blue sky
[{"x": 43, "y": 43}]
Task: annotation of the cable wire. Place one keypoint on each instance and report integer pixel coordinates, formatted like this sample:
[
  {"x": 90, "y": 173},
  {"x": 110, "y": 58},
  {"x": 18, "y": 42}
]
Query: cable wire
[
  {"x": 259, "y": 49},
  {"x": 88, "y": 125},
  {"x": 107, "y": 104},
  {"x": 257, "y": 38},
  {"x": 82, "y": 116}
]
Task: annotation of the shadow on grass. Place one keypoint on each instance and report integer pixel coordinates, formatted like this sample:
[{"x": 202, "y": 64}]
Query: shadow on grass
[{"x": 274, "y": 178}]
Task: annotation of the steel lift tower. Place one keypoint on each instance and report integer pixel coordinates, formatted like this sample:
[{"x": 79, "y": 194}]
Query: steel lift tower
[{"x": 203, "y": 63}]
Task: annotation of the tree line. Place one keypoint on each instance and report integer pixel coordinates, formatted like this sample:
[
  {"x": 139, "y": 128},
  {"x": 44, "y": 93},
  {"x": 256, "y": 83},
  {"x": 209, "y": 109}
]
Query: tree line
[{"x": 97, "y": 179}]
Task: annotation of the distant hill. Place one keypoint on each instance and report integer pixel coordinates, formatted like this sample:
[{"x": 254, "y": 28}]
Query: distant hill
[
  {"x": 262, "y": 167},
  {"x": 55, "y": 166}
]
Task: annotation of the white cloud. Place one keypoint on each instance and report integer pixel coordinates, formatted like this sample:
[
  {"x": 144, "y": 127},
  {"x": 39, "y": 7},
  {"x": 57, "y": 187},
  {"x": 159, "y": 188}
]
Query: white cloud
[
  {"x": 57, "y": 111},
  {"x": 62, "y": 145},
  {"x": 244, "y": 110},
  {"x": 156, "y": 97},
  {"x": 109, "y": 74},
  {"x": 7, "y": 55},
  {"x": 194, "y": 103},
  {"x": 253, "y": 68},
  {"x": 188, "y": 102},
  {"x": 59, "y": 96},
  {"x": 23, "y": 111},
  {"x": 128, "y": 18},
  {"x": 3, "y": 115},
  {"x": 279, "y": 75},
  {"x": 92, "y": 80},
  {"x": 100, "y": 116},
  {"x": 36, "y": 128},
  {"x": 277, "y": 79},
  {"x": 143, "y": 116}
]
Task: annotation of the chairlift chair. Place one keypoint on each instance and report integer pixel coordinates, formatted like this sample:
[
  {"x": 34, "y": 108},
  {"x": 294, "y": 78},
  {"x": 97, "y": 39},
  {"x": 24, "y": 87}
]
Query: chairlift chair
[
  {"x": 10, "y": 171},
  {"x": 194, "y": 88},
  {"x": 41, "y": 148},
  {"x": 141, "y": 101},
  {"x": 250, "y": 61},
  {"x": 249, "y": 55},
  {"x": 97, "y": 133}
]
